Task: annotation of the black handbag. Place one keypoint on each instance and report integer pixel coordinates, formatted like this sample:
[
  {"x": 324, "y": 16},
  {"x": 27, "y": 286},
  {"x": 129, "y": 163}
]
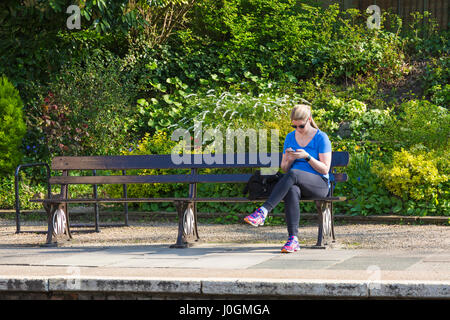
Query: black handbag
[{"x": 260, "y": 186}]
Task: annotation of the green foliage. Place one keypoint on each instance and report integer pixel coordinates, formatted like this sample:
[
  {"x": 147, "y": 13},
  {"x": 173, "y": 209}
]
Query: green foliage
[
  {"x": 28, "y": 31},
  {"x": 415, "y": 176},
  {"x": 419, "y": 123},
  {"x": 219, "y": 109},
  {"x": 27, "y": 191},
  {"x": 87, "y": 109},
  {"x": 137, "y": 70},
  {"x": 12, "y": 127},
  {"x": 437, "y": 79},
  {"x": 344, "y": 117},
  {"x": 423, "y": 37},
  {"x": 365, "y": 190},
  {"x": 298, "y": 40},
  {"x": 36, "y": 41},
  {"x": 157, "y": 114},
  {"x": 359, "y": 52},
  {"x": 99, "y": 15}
]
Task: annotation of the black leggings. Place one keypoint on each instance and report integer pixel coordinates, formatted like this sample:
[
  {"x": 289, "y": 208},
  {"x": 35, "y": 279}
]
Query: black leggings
[{"x": 294, "y": 185}]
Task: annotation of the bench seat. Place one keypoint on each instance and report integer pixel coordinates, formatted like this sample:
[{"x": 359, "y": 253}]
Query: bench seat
[{"x": 140, "y": 200}]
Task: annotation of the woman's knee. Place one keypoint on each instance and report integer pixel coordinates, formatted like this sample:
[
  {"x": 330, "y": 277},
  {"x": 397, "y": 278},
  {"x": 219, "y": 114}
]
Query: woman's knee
[
  {"x": 293, "y": 192},
  {"x": 293, "y": 175}
]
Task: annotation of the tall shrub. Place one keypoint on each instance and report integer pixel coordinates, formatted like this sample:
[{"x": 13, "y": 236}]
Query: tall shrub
[
  {"x": 88, "y": 109},
  {"x": 12, "y": 128}
]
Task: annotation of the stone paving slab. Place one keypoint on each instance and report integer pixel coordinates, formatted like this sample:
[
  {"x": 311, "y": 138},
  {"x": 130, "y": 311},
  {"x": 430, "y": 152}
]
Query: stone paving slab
[
  {"x": 381, "y": 262},
  {"x": 295, "y": 264},
  {"x": 208, "y": 256},
  {"x": 224, "y": 270}
]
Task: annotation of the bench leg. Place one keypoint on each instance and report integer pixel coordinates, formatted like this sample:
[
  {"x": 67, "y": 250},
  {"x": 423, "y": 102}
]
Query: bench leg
[
  {"x": 50, "y": 209},
  {"x": 325, "y": 232},
  {"x": 332, "y": 224},
  {"x": 197, "y": 237},
  {"x": 97, "y": 218},
  {"x": 181, "y": 239},
  {"x": 51, "y": 235},
  {"x": 66, "y": 211}
]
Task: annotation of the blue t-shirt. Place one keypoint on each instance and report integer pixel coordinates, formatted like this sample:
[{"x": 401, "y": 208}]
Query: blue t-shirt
[{"x": 318, "y": 144}]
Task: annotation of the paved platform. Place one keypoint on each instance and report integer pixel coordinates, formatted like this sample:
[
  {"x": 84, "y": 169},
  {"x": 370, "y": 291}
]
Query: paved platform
[{"x": 222, "y": 271}]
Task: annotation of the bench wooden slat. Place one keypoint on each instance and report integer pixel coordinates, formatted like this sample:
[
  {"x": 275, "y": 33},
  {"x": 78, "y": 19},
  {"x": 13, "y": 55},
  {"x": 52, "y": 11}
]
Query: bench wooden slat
[
  {"x": 109, "y": 200},
  {"x": 198, "y": 199},
  {"x": 181, "y": 178},
  {"x": 247, "y": 160},
  {"x": 186, "y": 178},
  {"x": 340, "y": 159},
  {"x": 334, "y": 199}
]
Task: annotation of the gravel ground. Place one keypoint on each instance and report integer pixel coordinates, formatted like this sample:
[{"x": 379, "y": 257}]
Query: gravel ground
[{"x": 349, "y": 236}]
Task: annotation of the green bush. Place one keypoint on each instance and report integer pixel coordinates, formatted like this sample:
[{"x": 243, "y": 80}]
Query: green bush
[
  {"x": 220, "y": 109},
  {"x": 371, "y": 122},
  {"x": 27, "y": 191},
  {"x": 360, "y": 52},
  {"x": 12, "y": 127},
  {"x": 364, "y": 189},
  {"x": 87, "y": 109},
  {"x": 299, "y": 40},
  {"x": 423, "y": 37},
  {"x": 415, "y": 176},
  {"x": 436, "y": 80},
  {"x": 440, "y": 96},
  {"x": 343, "y": 117},
  {"x": 418, "y": 123}
]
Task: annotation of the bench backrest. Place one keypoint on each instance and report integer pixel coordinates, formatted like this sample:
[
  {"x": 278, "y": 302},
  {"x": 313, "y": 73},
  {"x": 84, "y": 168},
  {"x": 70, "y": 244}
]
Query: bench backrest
[
  {"x": 132, "y": 162},
  {"x": 247, "y": 160}
]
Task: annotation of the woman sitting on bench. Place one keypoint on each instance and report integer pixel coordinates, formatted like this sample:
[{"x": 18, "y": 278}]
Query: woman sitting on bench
[{"x": 306, "y": 161}]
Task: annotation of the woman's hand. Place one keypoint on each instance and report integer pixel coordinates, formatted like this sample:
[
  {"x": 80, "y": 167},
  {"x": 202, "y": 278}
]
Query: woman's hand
[
  {"x": 290, "y": 156},
  {"x": 300, "y": 154},
  {"x": 294, "y": 155},
  {"x": 287, "y": 160}
]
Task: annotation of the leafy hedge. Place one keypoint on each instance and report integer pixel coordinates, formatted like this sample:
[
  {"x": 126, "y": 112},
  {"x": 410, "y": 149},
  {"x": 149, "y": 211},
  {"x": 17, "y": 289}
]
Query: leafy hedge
[
  {"x": 12, "y": 127},
  {"x": 122, "y": 84}
]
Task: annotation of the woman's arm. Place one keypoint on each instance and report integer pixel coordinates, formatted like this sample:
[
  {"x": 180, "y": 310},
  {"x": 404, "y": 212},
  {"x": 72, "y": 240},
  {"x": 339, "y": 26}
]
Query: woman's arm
[{"x": 323, "y": 164}]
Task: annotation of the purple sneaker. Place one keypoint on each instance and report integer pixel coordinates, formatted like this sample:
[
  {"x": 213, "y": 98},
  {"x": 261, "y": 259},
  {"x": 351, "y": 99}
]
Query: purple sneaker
[
  {"x": 291, "y": 245},
  {"x": 256, "y": 218}
]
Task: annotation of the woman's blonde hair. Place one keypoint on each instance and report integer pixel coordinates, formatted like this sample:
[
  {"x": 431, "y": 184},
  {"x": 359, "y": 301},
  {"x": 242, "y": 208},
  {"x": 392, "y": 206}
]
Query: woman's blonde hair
[{"x": 302, "y": 112}]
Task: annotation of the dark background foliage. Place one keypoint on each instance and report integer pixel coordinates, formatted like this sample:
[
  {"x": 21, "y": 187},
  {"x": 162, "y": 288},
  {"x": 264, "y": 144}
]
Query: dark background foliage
[{"x": 136, "y": 70}]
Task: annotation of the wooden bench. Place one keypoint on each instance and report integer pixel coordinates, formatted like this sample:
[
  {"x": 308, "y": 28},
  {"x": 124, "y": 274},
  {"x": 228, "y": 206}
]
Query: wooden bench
[{"x": 186, "y": 206}]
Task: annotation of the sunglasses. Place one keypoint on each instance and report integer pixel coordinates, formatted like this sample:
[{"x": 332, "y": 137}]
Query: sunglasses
[{"x": 302, "y": 126}]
